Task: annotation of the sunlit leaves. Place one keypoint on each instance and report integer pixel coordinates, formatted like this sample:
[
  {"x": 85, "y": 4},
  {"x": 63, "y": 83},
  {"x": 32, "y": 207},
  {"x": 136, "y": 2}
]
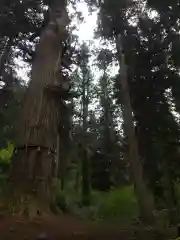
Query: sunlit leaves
[{"x": 6, "y": 153}]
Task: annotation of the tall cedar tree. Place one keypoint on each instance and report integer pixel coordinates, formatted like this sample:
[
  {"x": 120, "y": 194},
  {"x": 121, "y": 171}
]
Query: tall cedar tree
[
  {"x": 84, "y": 60},
  {"x": 113, "y": 20},
  {"x": 33, "y": 163}
]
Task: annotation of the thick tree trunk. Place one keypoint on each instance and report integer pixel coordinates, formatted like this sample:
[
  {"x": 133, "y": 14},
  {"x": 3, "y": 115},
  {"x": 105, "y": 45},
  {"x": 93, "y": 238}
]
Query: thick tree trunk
[
  {"x": 145, "y": 199},
  {"x": 33, "y": 165}
]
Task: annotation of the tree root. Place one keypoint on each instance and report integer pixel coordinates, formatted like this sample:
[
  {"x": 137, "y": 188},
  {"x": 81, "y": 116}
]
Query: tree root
[{"x": 29, "y": 207}]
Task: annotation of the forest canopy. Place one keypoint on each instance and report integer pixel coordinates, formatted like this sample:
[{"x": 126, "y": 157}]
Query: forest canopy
[{"x": 90, "y": 103}]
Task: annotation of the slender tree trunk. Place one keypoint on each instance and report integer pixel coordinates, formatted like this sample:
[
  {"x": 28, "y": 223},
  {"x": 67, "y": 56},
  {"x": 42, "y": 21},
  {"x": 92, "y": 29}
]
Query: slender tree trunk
[
  {"x": 83, "y": 149},
  {"x": 169, "y": 193},
  {"x": 65, "y": 140},
  {"x": 5, "y": 93},
  {"x": 62, "y": 159},
  {"x": 85, "y": 177},
  {"x": 33, "y": 163},
  {"x": 5, "y": 55},
  {"x": 58, "y": 156},
  {"x": 108, "y": 137},
  {"x": 77, "y": 180},
  {"x": 105, "y": 103},
  {"x": 77, "y": 184},
  {"x": 145, "y": 199}
]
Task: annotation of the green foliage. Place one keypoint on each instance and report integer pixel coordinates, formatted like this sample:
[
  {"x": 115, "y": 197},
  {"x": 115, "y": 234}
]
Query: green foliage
[
  {"x": 118, "y": 204},
  {"x": 6, "y": 154},
  {"x": 5, "y": 158},
  {"x": 65, "y": 200},
  {"x": 10, "y": 112},
  {"x": 153, "y": 68},
  {"x": 146, "y": 48},
  {"x": 61, "y": 201}
]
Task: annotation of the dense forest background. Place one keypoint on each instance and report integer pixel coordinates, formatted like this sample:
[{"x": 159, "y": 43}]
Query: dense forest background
[{"x": 117, "y": 140}]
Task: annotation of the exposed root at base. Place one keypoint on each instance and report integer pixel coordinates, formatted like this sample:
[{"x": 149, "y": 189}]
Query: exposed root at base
[{"x": 29, "y": 207}]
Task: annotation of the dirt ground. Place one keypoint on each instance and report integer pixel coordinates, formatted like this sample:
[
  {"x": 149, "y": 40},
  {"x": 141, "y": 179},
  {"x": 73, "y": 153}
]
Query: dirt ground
[{"x": 66, "y": 227}]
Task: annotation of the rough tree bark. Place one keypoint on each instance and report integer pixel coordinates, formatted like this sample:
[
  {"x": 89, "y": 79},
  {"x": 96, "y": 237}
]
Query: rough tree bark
[
  {"x": 145, "y": 199},
  {"x": 33, "y": 163}
]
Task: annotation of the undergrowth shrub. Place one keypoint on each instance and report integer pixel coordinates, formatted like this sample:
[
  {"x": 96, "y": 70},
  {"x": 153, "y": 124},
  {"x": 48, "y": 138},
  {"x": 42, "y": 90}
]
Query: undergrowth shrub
[
  {"x": 6, "y": 153},
  {"x": 61, "y": 201},
  {"x": 118, "y": 204},
  {"x": 66, "y": 199},
  {"x": 5, "y": 160}
]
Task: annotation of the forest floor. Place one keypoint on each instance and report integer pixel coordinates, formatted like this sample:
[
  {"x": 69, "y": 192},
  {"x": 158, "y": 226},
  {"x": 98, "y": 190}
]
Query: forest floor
[{"x": 68, "y": 227}]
